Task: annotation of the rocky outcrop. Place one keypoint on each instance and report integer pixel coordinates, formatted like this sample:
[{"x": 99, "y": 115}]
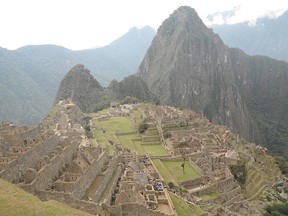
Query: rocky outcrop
[
  {"x": 188, "y": 66},
  {"x": 82, "y": 88},
  {"x": 132, "y": 86}
]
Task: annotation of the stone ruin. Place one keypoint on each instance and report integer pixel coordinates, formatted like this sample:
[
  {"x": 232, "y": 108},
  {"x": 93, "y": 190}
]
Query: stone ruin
[
  {"x": 50, "y": 162},
  {"x": 209, "y": 149},
  {"x": 55, "y": 160},
  {"x": 140, "y": 191}
]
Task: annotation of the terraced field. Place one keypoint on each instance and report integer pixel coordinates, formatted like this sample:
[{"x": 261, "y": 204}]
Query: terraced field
[
  {"x": 183, "y": 208},
  {"x": 123, "y": 130},
  {"x": 172, "y": 171}
]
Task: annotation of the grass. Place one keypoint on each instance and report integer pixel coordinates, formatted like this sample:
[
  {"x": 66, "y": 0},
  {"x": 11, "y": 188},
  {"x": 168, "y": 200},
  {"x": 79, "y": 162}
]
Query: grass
[
  {"x": 115, "y": 125},
  {"x": 15, "y": 201},
  {"x": 108, "y": 187},
  {"x": 175, "y": 168},
  {"x": 209, "y": 196},
  {"x": 155, "y": 150},
  {"x": 111, "y": 126},
  {"x": 164, "y": 172},
  {"x": 171, "y": 171},
  {"x": 126, "y": 140},
  {"x": 183, "y": 208}
]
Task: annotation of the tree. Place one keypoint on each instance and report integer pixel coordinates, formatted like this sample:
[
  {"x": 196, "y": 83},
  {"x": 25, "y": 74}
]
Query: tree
[{"x": 183, "y": 166}]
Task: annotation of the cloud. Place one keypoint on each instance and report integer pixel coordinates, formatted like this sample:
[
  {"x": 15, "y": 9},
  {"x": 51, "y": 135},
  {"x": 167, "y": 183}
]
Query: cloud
[{"x": 222, "y": 16}]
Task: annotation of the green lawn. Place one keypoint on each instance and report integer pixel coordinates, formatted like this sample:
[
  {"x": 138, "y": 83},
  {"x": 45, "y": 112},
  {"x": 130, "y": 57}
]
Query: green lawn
[
  {"x": 155, "y": 150},
  {"x": 166, "y": 175},
  {"x": 209, "y": 196},
  {"x": 171, "y": 171},
  {"x": 175, "y": 168},
  {"x": 111, "y": 126},
  {"x": 183, "y": 208},
  {"x": 15, "y": 201},
  {"x": 126, "y": 140},
  {"x": 137, "y": 117},
  {"x": 115, "y": 125}
]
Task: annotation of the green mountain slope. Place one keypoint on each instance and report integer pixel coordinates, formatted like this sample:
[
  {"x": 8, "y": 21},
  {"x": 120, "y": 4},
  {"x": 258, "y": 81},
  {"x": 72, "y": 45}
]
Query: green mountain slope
[{"x": 33, "y": 73}]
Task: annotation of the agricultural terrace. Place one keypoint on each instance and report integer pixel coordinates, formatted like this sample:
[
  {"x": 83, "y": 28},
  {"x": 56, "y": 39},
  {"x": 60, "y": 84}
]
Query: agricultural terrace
[
  {"x": 172, "y": 171},
  {"x": 183, "y": 208},
  {"x": 123, "y": 130}
]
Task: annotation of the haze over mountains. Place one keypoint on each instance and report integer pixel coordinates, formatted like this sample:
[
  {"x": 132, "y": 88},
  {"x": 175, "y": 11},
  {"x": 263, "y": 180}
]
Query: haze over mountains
[
  {"x": 30, "y": 75},
  {"x": 266, "y": 36}
]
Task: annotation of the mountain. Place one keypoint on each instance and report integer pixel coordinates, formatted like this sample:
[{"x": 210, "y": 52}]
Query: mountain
[
  {"x": 31, "y": 75},
  {"x": 189, "y": 66},
  {"x": 267, "y": 36},
  {"x": 83, "y": 89},
  {"x": 79, "y": 85},
  {"x": 22, "y": 99},
  {"x": 132, "y": 86}
]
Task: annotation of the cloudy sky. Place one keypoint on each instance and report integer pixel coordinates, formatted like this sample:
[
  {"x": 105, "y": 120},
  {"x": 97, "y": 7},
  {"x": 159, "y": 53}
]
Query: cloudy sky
[{"x": 81, "y": 24}]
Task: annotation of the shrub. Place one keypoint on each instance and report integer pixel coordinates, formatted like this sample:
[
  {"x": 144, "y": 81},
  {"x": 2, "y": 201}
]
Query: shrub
[
  {"x": 182, "y": 144},
  {"x": 277, "y": 209},
  {"x": 239, "y": 172},
  {"x": 167, "y": 134},
  {"x": 283, "y": 165},
  {"x": 142, "y": 127}
]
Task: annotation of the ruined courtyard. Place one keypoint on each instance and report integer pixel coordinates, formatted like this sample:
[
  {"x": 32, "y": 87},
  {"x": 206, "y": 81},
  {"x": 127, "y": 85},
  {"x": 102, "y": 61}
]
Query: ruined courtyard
[{"x": 101, "y": 164}]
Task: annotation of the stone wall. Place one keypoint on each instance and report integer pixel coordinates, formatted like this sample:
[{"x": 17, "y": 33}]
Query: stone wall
[
  {"x": 92, "y": 208},
  {"x": 151, "y": 139},
  {"x": 119, "y": 171},
  {"x": 195, "y": 183},
  {"x": 86, "y": 180},
  {"x": 28, "y": 159},
  {"x": 109, "y": 172},
  {"x": 45, "y": 175},
  {"x": 132, "y": 209},
  {"x": 30, "y": 134}
]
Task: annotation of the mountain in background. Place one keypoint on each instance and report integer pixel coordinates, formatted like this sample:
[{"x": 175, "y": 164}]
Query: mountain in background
[
  {"x": 267, "y": 36},
  {"x": 31, "y": 75},
  {"x": 188, "y": 66},
  {"x": 83, "y": 89}
]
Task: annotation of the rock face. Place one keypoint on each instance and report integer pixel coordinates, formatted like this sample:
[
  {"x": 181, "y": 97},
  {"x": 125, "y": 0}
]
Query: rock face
[
  {"x": 132, "y": 86},
  {"x": 80, "y": 86},
  {"x": 189, "y": 66}
]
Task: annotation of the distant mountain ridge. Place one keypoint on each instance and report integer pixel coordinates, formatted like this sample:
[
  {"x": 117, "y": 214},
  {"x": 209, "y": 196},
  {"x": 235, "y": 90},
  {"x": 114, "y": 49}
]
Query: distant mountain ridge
[
  {"x": 267, "y": 36},
  {"x": 188, "y": 66},
  {"x": 36, "y": 71}
]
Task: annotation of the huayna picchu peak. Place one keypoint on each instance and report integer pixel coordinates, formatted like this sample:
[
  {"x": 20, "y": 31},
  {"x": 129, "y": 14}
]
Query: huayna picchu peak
[{"x": 189, "y": 66}]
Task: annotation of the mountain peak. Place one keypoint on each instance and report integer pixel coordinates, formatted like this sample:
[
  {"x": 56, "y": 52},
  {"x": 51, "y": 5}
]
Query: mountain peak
[
  {"x": 80, "y": 86},
  {"x": 183, "y": 18},
  {"x": 79, "y": 68}
]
